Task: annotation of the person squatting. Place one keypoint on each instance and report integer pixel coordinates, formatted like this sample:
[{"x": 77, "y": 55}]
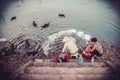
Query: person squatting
[{"x": 70, "y": 46}]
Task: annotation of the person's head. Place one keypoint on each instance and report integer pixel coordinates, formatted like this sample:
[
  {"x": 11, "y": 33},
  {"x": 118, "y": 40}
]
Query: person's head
[{"x": 93, "y": 40}]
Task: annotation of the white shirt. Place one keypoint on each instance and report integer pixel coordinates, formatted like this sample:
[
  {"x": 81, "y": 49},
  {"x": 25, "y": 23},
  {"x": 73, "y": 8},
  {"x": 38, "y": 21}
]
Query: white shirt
[{"x": 70, "y": 45}]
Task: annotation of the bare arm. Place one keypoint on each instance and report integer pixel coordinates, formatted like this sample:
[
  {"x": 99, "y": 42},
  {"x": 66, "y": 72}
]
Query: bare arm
[
  {"x": 64, "y": 48},
  {"x": 91, "y": 50},
  {"x": 88, "y": 48}
]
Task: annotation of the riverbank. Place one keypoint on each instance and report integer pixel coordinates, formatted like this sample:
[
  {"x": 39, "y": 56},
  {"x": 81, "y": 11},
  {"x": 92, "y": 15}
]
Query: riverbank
[{"x": 9, "y": 63}]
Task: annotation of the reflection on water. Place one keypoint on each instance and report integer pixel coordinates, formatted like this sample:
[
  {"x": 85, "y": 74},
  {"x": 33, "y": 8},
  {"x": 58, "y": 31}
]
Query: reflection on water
[{"x": 98, "y": 18}]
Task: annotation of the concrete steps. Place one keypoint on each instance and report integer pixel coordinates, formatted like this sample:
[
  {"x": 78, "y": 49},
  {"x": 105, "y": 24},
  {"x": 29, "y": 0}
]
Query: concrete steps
[
  {"x": 51, "y": 60},
  {"x": 66, "y": 77},
  {"x": 66, "y": 70},
  {"x": 46, "y": 69},
  {"x": 48, "y": 63}
]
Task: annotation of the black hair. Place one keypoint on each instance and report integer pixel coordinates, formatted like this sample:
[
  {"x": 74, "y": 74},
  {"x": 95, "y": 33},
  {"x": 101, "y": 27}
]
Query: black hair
[{"x": 94, "y": 39}]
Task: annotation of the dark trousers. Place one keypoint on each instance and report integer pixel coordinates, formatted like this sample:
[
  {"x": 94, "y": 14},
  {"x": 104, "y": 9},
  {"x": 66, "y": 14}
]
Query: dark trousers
[
  {"x": 97, "y": 53},
  {"x": 61, "y": 60}
]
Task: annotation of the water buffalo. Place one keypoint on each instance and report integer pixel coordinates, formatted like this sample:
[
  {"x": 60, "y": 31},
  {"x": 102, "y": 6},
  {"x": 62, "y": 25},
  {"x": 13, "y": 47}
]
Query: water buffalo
[
  {"x": 61, "y": 15},
  {"x": 45, "y": 25},
  {"x": 13, "y": 18},
  {"x": 34, "y": 24}
]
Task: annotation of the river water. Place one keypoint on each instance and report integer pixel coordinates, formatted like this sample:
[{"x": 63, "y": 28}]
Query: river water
[{"x": 85, "y": 18}]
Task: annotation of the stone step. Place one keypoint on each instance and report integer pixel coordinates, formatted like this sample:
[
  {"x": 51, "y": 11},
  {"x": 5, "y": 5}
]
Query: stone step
[
  {"x": 66, "y": 77},
  {"x": 51, "y": 60},
  {"x": 69, "y": 64},
  {"x": 66, "y": 70}
]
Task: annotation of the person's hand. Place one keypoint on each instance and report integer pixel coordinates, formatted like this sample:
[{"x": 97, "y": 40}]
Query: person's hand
[
  {"x": 62, "y": 52},
  {"x": 84, "y": 52},
  {"x": 90, "y": 52},
  {"x": 87, "y": 51}
]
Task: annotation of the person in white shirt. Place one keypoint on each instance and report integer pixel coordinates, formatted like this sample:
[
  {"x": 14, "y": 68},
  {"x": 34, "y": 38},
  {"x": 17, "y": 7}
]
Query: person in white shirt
[{"x": 70, "y": 46}]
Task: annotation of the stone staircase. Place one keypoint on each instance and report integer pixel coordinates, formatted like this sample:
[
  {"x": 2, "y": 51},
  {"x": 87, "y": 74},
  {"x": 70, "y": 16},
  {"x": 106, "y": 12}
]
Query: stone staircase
[{"x": 46, "y": 69}]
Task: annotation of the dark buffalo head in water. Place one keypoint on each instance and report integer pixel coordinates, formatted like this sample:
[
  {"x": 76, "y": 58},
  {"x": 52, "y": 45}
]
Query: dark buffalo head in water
[
  {"x": 45, "y": 25},
  {"x": 13, "y": 18},
  {"x": 34, "y": 24},
  {"x": 61, "y": 15}
]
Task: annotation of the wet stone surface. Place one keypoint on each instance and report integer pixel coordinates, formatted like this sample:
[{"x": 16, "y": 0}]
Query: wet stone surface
[{"x": 20, "y": 50}]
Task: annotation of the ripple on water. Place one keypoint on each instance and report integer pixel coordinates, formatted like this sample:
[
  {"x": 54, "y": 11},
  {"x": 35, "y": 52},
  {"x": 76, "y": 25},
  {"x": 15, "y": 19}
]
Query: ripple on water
[{"x": 71, "y": 32}]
